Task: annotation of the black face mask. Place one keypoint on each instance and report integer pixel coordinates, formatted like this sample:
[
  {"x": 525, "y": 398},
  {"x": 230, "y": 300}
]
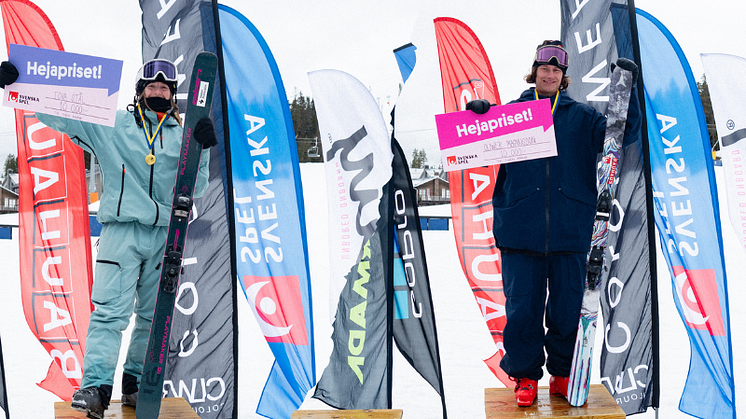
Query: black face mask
[{"x": 158, "y": 104}]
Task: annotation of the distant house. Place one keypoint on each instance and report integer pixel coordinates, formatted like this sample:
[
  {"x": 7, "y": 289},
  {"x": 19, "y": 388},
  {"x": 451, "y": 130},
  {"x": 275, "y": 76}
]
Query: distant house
[
  {"x": 431, "y": 185},
  {"x": 10, "y": 182},
  {"x": 9, "y": 193},
  {"x": 8, "y": 200}
]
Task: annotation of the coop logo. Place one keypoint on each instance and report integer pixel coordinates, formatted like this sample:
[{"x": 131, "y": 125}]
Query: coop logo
[
  {"x": 402, "y": 291},
  {"x": 699, "y": 299},
  {"x": 406, "y": 300},
  {"x": 278, "y": 307},
  {"x": 15, "y": 97}
]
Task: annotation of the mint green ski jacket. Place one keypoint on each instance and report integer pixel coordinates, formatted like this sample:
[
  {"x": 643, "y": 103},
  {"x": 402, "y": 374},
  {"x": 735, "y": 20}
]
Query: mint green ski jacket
[{"x": 132, "y": 189}]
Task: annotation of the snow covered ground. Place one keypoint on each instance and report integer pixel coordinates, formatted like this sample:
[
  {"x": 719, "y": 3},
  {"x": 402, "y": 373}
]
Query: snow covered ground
[{"x": 464, "y": 341}]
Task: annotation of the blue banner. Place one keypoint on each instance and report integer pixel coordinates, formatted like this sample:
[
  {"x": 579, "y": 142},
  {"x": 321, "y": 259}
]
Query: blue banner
[
  {"x": 406, "y": 58},
  {"x": 688, "y": 222},
  {"x": 271, "y": 247},
  {"x": 60, "y": 68}
]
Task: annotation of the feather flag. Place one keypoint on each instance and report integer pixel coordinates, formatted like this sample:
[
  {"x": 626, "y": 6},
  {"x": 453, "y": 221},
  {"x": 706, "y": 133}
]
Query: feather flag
[
  {"x": 730, "y": 120},
  {"x": 466, "y": 74},
  {"x": 688, "y": 224},
  {"x": 268, "y": 213},
  {"x": 357, "y": 159},
  {"x": 629, "y": 361},
  {"x": 202, "y": 366},
  {"x": 54, "y": 236},
  {"x": 414, "y": 331}
]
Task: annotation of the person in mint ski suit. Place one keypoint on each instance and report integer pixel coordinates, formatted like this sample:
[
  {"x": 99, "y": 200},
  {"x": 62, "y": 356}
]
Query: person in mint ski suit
[
  {"x": 135, "y": 207},
  {"x": 544, "y": 211}
]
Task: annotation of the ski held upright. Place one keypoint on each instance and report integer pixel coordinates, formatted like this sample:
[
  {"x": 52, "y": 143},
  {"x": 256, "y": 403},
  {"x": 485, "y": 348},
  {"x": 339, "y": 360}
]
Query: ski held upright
[{"x": 200, "y": 92}]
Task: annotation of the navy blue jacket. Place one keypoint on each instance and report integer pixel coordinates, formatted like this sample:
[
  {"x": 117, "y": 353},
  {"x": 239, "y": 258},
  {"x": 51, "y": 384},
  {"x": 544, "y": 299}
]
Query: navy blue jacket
[{"x": 548, "y": 205}]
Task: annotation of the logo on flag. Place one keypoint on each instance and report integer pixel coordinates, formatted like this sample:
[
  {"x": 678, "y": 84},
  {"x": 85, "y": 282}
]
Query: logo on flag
[
  {"x": 700, "y": 300},
  {"x": 467, "y": 92},
  {"x": 276, "y": 302},
  {"x": 405, "y": 278}
]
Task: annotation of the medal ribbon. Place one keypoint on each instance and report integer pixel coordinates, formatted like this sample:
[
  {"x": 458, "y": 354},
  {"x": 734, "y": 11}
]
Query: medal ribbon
[
  {"x": 145, "y": 130},
  {"x": 556, "y": 100}
]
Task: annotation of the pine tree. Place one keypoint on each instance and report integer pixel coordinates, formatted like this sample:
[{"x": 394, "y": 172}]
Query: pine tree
[
  {"x": 704, "y": 95},
  {"x": 11, "y": 164},
  {"x": 419, "y": 158},
  {"x": 303, "y": 113}
]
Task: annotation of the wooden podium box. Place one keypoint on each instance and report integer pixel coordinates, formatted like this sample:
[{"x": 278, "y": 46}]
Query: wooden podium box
[
  {"x": 171, "y": 408},
  {"x": 347, "y": 414},
  {"x": 500, "y": 403}
]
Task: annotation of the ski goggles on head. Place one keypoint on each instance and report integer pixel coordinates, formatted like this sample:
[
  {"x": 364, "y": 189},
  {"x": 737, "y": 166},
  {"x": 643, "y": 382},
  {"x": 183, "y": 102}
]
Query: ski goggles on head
[
  {"x": 551, "y": 54},
  {"x": 150, "y": 70}
]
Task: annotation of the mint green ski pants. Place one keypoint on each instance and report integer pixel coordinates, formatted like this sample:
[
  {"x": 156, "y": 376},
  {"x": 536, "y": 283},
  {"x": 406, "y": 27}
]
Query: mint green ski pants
[{"x": 126, "y": 278}]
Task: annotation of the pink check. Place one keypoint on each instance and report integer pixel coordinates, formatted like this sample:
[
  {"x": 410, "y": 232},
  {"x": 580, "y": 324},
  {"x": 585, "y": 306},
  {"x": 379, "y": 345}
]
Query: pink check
[{"x": 507, "y": 133}]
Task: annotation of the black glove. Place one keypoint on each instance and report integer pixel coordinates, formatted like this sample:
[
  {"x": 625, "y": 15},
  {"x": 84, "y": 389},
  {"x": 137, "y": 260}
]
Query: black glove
[
  {"x": 480, "y": 106},
  {"x": 204, "y": 133},
  {"x": 628, "y": 65},
  {"x": 8, "y": 74}
]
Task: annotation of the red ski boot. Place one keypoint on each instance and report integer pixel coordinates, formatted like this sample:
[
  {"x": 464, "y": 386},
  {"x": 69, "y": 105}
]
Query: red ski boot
[
  {"x": 558, "y": 385},
  {"x": 525, "y": 391}
]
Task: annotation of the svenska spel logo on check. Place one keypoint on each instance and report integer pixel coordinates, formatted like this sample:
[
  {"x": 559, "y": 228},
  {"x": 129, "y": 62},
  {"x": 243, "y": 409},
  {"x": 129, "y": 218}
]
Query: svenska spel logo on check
[
  {"x": 22, "y": 99},
  {"x": 465, "y": 159}
]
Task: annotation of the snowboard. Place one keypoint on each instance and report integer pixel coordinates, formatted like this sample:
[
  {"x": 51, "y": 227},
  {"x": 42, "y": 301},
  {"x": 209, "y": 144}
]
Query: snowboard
[
  {"x": 199, "y": 100},
  {"x": 616, "y": 119}
]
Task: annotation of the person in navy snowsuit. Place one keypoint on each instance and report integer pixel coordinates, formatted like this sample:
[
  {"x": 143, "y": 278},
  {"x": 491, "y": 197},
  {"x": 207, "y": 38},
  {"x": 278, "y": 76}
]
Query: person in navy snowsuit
[{"x": 543, "y": 223}]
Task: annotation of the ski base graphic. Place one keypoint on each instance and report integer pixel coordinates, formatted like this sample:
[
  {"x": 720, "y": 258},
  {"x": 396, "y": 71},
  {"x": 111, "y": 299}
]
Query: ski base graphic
[{"x": 580, "y": 372}]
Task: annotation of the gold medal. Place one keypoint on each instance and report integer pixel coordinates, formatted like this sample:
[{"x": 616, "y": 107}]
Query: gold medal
[{"x": 150, "y": 158}]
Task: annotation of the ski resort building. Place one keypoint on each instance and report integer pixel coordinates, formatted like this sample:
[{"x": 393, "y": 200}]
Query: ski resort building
[{"x": 431, "y": 185}]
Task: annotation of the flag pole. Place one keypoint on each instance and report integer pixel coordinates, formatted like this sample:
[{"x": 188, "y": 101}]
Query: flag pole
[
  {"x": 655, "y": 402},
  {"x": 5, "y": 385},
  {"x": 225, "y": 150}
]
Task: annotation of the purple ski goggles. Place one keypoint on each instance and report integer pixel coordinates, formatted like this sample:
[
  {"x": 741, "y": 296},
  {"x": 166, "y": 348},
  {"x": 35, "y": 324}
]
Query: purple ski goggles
[
  {"x": 152, "y": 68},
  {"x": 551, "y": 54}
]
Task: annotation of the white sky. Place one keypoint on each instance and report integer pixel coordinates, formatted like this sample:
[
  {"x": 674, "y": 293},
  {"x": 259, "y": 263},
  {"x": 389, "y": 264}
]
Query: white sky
[{"x": 359, "y": 37}]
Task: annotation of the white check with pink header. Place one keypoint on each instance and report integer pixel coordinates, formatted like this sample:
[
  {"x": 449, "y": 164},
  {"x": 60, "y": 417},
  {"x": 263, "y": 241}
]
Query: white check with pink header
[{"x": 508, "y": 133}]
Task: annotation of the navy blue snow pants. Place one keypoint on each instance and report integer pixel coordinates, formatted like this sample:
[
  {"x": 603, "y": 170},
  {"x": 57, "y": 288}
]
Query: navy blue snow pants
[{"x": 526, "y": 279}]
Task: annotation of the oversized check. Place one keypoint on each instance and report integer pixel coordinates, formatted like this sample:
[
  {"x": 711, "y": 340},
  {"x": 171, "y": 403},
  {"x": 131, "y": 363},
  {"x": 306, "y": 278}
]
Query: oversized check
[
  {"x": 64, "y": 84},
  {"x": 508, "y": 133}
]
